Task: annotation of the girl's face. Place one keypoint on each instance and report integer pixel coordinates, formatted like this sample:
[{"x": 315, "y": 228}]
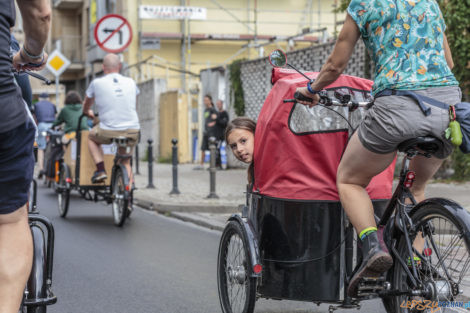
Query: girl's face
[{"x": 241, "y": 141}]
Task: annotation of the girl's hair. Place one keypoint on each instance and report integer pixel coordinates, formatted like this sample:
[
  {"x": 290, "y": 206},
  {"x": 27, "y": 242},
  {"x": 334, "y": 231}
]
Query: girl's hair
[
  {"x": 72, "y": 97},
  {"x": 240, "y": 123},
  {"x": 249, "y": 125}
]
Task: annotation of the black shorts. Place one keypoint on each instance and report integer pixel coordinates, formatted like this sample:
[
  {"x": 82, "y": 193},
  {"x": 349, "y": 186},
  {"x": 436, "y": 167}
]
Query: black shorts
[
  {"x": 205, "y": 143},
  {"x": 16, "y": 166}
]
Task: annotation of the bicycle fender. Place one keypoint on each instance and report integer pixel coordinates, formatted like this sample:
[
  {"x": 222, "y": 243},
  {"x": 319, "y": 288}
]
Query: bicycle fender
[
  {"x": 252, "y": 241},
  {"x": 125, "y": 176},
  {"x": 453, "y": 208}
]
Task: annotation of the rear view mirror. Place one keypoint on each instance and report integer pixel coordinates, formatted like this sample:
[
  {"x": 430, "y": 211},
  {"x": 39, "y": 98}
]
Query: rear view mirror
[{"x": 278, "y": 58}]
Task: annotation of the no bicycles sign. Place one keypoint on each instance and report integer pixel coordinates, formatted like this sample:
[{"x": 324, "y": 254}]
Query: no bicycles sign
[{"x": 113, "y": 33}]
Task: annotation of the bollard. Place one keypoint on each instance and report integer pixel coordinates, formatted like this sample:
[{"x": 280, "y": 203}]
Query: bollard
[
  {"x": 150, "y": 160},
  {"x": 212, "y": 168},
  {"x": 174, "y": 157},
  {"x": 137, "y": 159}
]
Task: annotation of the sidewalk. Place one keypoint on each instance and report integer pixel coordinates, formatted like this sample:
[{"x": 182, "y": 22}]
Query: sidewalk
[{"x": 194, "y": 185}]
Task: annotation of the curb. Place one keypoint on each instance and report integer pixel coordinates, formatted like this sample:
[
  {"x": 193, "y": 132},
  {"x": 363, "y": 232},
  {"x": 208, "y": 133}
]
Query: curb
[{"x": 168, "y": 211}]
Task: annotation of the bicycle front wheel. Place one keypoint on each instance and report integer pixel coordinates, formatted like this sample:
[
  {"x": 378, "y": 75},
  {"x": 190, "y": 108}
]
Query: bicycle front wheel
[
  {"x": 443, "y": 268},
  {"x": 237, "y": 290},
  {"x": 119, "y": 197}
]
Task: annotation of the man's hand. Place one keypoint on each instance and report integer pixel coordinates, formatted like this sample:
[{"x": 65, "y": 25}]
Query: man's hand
[
  {"x": 211, "y": 124},
  {"x": 89, "y": 113},
  {"x": 21, "y": 62},
  {"x": 315, "y": 97}
]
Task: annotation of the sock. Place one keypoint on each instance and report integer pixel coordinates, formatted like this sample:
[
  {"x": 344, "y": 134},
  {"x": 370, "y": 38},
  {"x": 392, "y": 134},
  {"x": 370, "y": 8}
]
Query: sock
[
  {"x": 100, "y": 167},
  {"x": 366, "y": 232}
]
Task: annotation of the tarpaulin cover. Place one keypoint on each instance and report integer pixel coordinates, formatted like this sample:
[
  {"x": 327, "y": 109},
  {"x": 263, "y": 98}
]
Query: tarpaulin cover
[{"x": 298, "y": 150}]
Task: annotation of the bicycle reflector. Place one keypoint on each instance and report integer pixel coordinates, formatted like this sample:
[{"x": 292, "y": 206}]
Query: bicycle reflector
[
  {"x": 427, "y": 251},
  {"x": 128, "y": 187},
  {"x": 68, "y": 180},
  {"x": 409, "y": 179},
  {"x": 257, "y": 268}
]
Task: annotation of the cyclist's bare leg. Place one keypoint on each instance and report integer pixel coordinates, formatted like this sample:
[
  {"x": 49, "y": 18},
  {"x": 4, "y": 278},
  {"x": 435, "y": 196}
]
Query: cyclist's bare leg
[
  {"x": 95, "y": 150},
  {"x": 16, "y": 255},
  {"x": 357, "y": 167},
  {"x": 425, "y": 168},
  {"x": 127, "y": 164},
  {"x": 40, "y": 159}
]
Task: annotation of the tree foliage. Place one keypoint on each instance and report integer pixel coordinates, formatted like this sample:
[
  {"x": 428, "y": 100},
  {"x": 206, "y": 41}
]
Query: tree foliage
[{"x": 236, "y": 88}]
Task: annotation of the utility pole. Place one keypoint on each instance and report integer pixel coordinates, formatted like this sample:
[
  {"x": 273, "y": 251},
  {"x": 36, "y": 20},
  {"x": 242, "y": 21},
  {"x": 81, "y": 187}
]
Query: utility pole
[{"x": 183, "y": 48}]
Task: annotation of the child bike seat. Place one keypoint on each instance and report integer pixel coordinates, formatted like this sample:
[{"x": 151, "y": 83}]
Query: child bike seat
[{"x": 427, "y": 144}]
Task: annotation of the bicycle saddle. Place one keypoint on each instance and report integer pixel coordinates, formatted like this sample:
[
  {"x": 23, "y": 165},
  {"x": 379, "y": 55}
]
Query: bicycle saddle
[{"x": 426, "y": 144}]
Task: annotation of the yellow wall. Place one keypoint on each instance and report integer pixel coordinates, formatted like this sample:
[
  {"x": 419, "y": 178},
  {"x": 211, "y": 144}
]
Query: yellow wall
[
  {"x": 274, "y": 18},
  {"x": 174, "y": 124}
]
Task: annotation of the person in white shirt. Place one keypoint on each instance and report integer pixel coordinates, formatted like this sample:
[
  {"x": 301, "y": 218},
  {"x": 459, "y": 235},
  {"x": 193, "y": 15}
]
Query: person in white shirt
[{"x": 115, "y": 97}]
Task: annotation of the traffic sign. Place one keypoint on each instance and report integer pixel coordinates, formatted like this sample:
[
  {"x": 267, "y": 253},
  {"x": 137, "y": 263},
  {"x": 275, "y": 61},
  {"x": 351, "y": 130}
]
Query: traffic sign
[
  {"x": 57, "y": 63},
  {"x": 113, "y": 33}
]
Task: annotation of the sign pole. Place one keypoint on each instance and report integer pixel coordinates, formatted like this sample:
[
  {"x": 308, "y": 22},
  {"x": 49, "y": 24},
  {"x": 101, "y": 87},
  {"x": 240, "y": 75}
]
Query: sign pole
[{"x": 57, "y": 90}]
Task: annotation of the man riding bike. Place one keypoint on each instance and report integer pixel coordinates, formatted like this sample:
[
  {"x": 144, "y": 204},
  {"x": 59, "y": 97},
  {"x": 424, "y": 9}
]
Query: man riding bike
[
  {"x": 115, "y": 97},
  {"x": 17, "y": 132}
]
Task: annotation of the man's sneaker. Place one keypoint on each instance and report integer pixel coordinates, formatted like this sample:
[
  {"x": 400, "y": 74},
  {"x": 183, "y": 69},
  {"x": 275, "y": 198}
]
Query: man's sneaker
[
  {"x": 375, "y": 261},
  {"x": 98, "y": 177}
]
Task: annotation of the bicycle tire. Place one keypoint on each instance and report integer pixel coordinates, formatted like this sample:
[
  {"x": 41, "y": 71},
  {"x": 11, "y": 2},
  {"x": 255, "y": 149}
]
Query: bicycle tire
[
  {"x": 37, "y": 279},
  {"x": 235, "y": 275},
  {"x": 435, "y": 221},
  {"x": 120, "y": 199},
  {"x": 63, "y": 194}
]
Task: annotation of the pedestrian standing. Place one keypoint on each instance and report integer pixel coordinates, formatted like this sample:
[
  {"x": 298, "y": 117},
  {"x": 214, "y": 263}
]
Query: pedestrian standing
[
  {"x": 221, "y": 125},
  {"x": 44, "y": 111},
  {"x": 210, "y": 130}
]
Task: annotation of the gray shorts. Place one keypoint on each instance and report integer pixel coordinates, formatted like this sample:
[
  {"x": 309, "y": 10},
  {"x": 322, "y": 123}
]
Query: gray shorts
[{"x": 394, "y": 119}]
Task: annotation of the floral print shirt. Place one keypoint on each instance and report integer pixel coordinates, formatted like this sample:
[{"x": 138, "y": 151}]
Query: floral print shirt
[{"x": 405, "y": 39}]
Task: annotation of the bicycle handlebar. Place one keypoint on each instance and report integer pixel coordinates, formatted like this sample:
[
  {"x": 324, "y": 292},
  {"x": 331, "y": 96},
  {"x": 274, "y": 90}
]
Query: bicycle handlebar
[{"x": 325, "y": 100}]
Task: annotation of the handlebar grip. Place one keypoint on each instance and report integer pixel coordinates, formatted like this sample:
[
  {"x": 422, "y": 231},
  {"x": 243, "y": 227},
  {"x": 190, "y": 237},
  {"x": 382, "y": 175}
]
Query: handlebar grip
[{"x": 301, "y": 97}]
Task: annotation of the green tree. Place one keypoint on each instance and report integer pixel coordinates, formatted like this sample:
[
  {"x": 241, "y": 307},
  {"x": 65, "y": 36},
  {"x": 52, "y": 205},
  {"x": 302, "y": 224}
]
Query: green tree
[{"x": 236, "y": 88}]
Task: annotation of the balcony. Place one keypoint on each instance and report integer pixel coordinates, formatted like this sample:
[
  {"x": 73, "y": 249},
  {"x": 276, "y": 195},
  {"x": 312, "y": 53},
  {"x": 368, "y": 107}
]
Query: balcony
[
  {"x": 71, "y": 48},
  {"x": 67, "y": 4}
]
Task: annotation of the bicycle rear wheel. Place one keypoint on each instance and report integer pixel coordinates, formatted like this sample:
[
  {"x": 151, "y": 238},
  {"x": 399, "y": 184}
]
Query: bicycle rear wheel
[
  {"x": 63, "y": 193},
  {"x": 119, "y": 197},
  {"x": 445, "y": 261}
]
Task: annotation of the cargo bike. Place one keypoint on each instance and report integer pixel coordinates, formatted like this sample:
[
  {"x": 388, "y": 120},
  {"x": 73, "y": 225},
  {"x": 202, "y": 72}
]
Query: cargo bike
[
  {"x": 293, "y": 241},
  {"x": 75, "y": 169}
]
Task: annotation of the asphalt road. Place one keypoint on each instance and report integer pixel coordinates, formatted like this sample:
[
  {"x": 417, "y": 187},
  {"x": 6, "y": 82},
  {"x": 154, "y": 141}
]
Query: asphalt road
[{"x": 152, "y": 264}]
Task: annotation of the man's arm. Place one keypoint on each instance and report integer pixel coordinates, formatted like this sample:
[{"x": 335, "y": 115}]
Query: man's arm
[
  {"x": 87, "y": 107},
  {"x": 36, "y": 23}
]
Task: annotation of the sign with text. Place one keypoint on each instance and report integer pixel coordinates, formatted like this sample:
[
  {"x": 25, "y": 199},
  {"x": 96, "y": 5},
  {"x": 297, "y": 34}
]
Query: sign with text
[
  {"x": 149, "y": 43},
  {"x": 113, "y": 33},
  {"x": 172, "y": 12}
]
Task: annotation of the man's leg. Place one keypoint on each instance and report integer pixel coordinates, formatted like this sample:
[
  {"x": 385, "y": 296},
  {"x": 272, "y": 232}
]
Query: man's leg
[
  {"x": 16, "y": 255},
  {"x": 95, "y": 150},
  {"x": 40, "y": 160}
]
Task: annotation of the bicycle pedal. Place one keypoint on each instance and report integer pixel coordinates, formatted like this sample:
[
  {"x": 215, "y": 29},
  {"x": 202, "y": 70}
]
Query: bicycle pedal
[{"x": 370, "y": 286}]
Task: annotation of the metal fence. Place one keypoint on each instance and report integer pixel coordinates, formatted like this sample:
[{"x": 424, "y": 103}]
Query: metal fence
[{"x": 256, "y": 74}]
